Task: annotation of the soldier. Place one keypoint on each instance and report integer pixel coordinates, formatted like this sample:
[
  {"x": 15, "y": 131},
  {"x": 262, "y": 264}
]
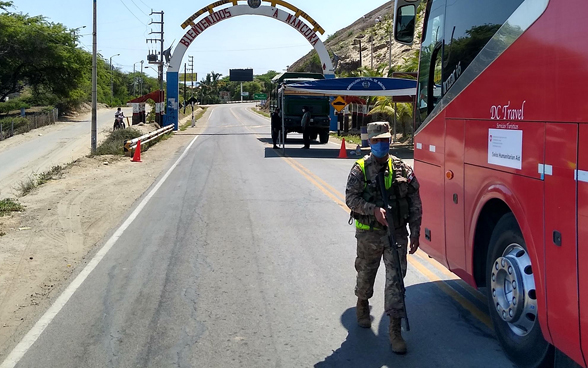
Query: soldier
[
  {"x": 305, "y": 123},
  {"x": 365, "y": 201},
  {"x": 276, "y": 122}
]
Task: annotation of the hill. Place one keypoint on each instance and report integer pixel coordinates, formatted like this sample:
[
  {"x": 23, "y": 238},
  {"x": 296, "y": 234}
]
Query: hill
[{"x": 374, "y": 31}]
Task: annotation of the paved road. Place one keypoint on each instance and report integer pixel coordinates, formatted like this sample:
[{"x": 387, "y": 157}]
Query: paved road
[
  {"x": 61, "y": 144},
  {"x": 243, "y": 258}
]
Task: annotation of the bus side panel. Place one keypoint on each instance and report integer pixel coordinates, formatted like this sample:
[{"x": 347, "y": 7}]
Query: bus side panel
[
  {"x": 582, "y": 177},
  {"x": 432, "y": 230},
  {"x": 454, "y": 200},
  {"x": 561, "y": 267},
  {"x": 498, "y": 142},
  {"x": 523, "y": 196},
  {"x": 429, "y": 143}
]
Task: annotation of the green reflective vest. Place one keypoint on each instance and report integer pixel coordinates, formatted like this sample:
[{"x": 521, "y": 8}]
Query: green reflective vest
[{"x": 388, "y": 180}]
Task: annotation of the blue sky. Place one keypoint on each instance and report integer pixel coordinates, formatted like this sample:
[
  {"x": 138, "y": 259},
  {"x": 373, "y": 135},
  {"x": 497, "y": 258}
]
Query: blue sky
[{"x": 244, "y": 42}]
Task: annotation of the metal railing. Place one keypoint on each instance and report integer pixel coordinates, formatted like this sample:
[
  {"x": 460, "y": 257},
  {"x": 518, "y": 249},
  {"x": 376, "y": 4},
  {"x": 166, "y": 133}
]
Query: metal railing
[
  {"x": 130, "y": 145},
  {"x": 16, "y": 125}
]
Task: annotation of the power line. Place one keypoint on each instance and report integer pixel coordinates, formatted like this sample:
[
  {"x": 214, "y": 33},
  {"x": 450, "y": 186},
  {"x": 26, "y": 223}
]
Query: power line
[
  {"x": 132, "y": 13},
  {"x": 150, "y": 7},
  {"x": 139, "y": 8}
]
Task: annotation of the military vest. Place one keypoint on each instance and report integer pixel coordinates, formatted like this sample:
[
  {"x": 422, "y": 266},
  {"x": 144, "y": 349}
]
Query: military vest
[{"x": 395, "y": 188}]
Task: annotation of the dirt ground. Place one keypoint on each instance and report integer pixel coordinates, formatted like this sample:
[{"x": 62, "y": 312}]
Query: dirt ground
[{"x": 63, "y": 223}]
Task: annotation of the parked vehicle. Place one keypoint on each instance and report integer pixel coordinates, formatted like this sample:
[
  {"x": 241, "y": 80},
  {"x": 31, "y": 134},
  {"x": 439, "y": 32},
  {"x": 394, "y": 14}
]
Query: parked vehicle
[
  {"x": 319, "y": 106},
  {"x": 501, "y": 153}
]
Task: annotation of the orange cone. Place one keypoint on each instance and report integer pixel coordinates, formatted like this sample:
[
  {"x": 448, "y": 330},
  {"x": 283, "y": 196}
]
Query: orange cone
[
  {"x": 137, "y": 156},
  {"x": 343, "y": 151}
]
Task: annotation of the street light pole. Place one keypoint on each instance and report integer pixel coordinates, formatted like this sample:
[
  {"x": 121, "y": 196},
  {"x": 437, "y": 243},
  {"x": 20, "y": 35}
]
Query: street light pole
[
  {"x": 358, "y": 41},
  {"x": 74, "y": 33},
  {"x": 141, "y": 77},
  {"x": 94, "y": 134},
  {"x": 135, "y": 78},
  {"x": 111, "y": 80}
]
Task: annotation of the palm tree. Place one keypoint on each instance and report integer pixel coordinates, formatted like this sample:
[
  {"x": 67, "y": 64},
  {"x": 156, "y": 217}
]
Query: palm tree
[
  {"x": 403, "y": 111},
  {"x": 383, "y": 106}
]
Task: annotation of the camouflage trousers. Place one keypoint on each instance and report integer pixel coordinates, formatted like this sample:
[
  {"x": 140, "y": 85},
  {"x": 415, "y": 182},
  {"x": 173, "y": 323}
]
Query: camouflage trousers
[{"x": 372, "y": 245}]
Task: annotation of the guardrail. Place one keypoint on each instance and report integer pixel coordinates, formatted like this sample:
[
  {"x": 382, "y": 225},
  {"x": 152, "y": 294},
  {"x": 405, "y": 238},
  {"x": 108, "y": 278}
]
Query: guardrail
[{"x": 130, "y": 145}]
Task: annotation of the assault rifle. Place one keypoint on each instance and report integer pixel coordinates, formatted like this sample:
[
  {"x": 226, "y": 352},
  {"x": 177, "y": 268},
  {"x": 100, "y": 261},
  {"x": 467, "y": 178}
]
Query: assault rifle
[{"x": 392, "y": 240}]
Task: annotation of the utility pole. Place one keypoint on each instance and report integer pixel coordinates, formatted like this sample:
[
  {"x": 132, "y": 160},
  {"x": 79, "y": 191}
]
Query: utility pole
[
  {"x": 390, "y": 52},
  {"x": 371, "y": 39},
  {"x": 185, "y": 87},
  {"x": 191, "y": 71},
  {"x": 191, "y": 64},
  {"x": 111, "y": 80},
  {"x": 94, "y": 84},
  {"x": 141, "y": 78},
  {"x": 358, "y": 41},
  {"x": 160, "y": 62}
]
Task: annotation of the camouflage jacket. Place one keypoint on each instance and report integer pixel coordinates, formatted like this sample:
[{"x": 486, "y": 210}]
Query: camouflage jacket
[{"x": 354, "y": 197}]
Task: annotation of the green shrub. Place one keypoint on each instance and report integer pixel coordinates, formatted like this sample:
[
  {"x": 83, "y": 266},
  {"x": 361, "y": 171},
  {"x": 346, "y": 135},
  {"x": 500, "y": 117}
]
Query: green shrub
[
  {"x": 9, "y": 205},
  {"x": 12, "y": 105},
  {"x": 113, "y": 145}
]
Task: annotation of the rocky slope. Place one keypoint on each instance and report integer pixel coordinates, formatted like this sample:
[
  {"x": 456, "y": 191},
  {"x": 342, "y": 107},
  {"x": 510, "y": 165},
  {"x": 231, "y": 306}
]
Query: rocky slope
[{"x": 374, "y": 31}]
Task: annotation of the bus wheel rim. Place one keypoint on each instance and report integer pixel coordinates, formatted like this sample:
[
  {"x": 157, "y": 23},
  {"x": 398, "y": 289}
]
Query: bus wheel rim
[{"x": 513, "y": 289}]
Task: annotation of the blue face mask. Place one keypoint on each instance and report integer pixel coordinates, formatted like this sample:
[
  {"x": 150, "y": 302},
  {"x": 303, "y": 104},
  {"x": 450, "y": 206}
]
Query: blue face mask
[{"x": 380, "y": 149}]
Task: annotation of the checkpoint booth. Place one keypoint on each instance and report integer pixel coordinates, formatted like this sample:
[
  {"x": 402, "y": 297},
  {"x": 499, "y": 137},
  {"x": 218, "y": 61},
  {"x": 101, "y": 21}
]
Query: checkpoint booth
[
  {"x": 400, "y": 89},
  {"x": 139, "y": 110}
]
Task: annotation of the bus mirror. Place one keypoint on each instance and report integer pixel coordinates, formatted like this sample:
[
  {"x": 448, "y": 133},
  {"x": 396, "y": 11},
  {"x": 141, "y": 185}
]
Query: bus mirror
[{"x": 404, "y": 25}]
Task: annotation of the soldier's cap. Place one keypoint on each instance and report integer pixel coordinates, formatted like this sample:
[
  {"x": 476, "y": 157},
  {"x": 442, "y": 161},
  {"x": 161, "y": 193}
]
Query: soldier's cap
[{"x": 379, "y": 129}]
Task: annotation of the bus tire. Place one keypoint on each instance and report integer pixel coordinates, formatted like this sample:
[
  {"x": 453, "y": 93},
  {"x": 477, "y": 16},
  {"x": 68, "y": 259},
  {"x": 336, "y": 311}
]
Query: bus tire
[
  {"x": 512, "y": 303},
  {"x": 324, "y": 137}
]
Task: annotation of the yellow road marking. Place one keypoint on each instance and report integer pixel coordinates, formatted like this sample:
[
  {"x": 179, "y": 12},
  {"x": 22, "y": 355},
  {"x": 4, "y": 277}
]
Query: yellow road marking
[
  {"x": 316, "y": 183},
  {"x": 473, "y": 292},
  {"x": 441, "y": 284},
  {"x": 325, "y": 184},
  {"x": 338, "y": 198}
]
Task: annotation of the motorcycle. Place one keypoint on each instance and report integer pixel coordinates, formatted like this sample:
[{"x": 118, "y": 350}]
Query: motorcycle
[{"x": 119, "y": 123}]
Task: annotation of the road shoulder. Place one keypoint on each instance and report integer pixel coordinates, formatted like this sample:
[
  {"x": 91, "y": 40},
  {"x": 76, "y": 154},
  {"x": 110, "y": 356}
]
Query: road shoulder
[{"x": 65, "y": 221}]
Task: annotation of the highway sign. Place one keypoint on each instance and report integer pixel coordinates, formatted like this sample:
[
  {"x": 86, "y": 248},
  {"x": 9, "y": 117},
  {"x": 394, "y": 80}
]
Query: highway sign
[
  {"x": 260, "y": 96},
  {"x": 339, "y": 103}
]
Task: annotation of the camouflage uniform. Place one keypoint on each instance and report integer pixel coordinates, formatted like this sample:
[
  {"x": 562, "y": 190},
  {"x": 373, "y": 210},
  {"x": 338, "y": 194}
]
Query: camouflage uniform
[{"x": 373, "y": 244}]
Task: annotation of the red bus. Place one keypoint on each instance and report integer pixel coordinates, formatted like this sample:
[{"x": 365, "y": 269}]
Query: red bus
[{"x": 501, "y": 152}]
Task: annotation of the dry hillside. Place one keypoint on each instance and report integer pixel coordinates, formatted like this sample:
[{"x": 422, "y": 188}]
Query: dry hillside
[{"x": 375, "y": 25}]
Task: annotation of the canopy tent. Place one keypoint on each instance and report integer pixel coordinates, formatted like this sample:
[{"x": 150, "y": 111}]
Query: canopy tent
[
  {"x": 399, "y": 89},
  {"x": 361, "y": 87}
]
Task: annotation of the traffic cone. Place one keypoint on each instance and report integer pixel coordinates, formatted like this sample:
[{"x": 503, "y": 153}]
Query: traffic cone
[
  {"x": 137, "y": 155},
  {"x": 343, "y": 151}
]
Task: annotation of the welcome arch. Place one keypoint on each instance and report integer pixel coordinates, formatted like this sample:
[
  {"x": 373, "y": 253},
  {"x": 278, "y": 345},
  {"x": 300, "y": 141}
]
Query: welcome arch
[{"x": 208, "y": 16}]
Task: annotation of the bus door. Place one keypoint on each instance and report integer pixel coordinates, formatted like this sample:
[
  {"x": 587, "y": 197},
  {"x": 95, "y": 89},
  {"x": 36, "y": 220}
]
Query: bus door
[
  {"x": 582, "y": 180},
  {"x": 561, "y": 250},
  {"x": 454, "y": 194}
]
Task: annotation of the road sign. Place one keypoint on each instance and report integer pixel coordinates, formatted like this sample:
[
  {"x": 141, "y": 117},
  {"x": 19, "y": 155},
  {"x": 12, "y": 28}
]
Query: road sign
[
  {"x": 339, "y": 103},
  {"x": 260, "y": 96},
  {"x": 245, "y": 94}
]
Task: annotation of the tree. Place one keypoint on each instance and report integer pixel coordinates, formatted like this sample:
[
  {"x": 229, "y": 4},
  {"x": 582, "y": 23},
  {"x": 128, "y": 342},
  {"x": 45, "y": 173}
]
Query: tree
[
  {"x": 4, "y": 5},
  {"x": 38, "y": 54},
  {"x": 387, "y": 109}
]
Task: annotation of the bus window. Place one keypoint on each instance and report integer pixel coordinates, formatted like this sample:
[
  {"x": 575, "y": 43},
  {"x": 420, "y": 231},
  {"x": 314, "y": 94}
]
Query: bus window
[
  {"x": 433, "y": 34},
  {"x": 470, "y": 24}
]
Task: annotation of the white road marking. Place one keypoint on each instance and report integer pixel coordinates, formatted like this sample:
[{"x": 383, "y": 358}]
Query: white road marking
[{"x": 24, "y": 345}]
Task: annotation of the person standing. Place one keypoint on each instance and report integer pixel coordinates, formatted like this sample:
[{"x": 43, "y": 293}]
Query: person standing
[
  {"x": 305, "y": 122},
  {"x": 363, "y": 197},
  {"x": 276, "y": 120}
]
